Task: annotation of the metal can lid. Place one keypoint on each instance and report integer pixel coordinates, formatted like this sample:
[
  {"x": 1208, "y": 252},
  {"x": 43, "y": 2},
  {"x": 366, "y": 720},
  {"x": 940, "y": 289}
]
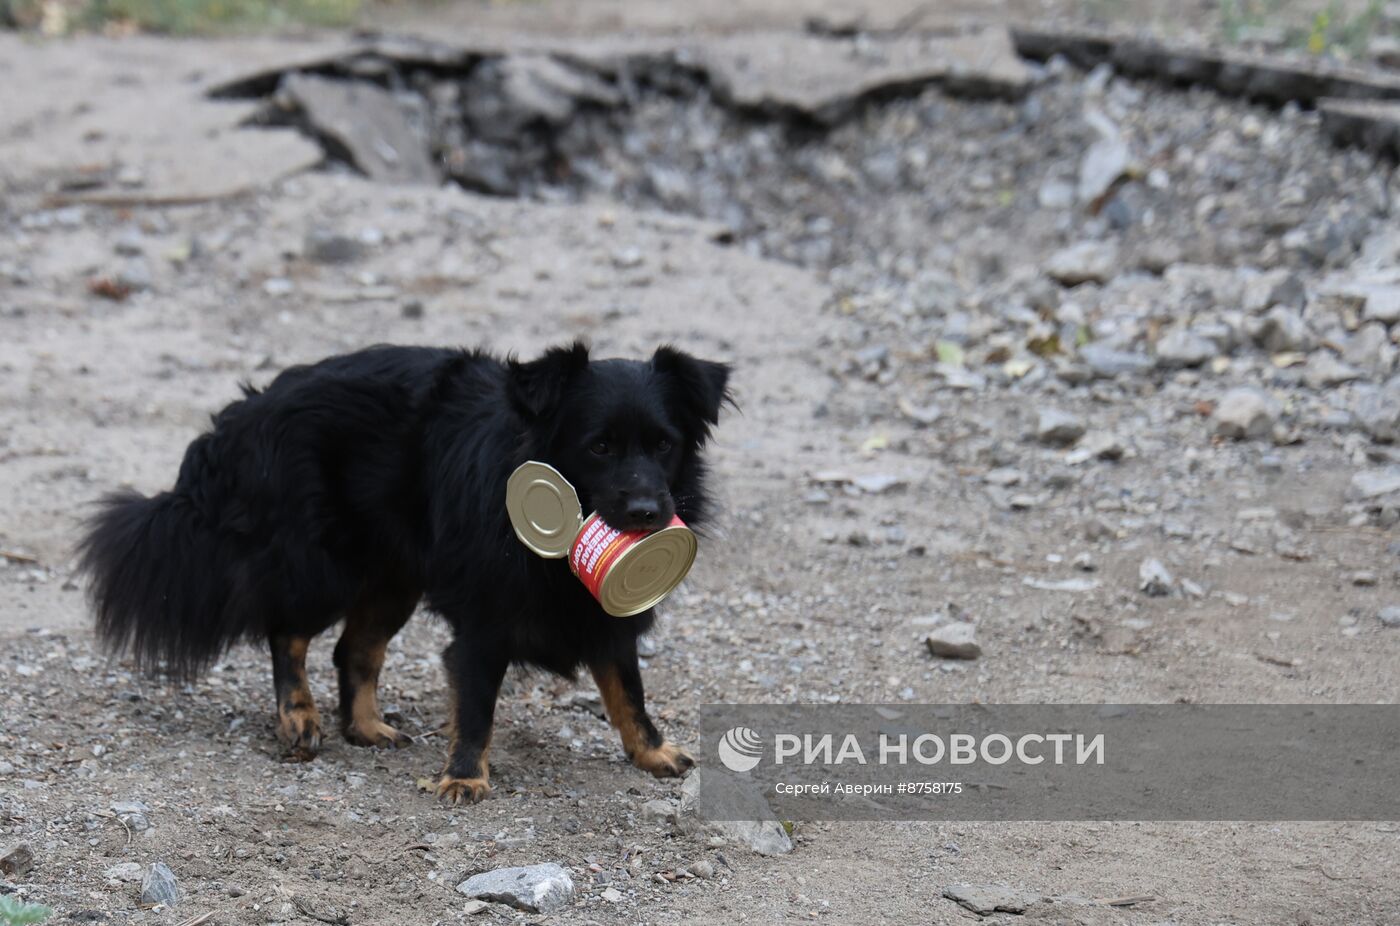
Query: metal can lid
[
  {"x": 543, "y": 508},
  {"x": 648, "y": 571}
]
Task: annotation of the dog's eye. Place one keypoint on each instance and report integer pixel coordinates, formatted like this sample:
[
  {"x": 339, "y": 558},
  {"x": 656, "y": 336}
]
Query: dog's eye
[
  {"x": 663, "y": 446},
  {"x": 601, "y": 448}
]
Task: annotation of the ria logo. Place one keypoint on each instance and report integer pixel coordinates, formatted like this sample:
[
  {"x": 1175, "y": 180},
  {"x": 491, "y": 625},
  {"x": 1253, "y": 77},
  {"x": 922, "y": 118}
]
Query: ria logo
[{"x": 740, "y": 749}]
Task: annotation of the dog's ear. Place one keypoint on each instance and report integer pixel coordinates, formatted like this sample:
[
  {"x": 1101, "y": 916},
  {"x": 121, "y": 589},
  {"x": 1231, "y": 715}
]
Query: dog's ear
[
  {"x": 535, "y": 389},
  {"x": 697, "y": 388}
]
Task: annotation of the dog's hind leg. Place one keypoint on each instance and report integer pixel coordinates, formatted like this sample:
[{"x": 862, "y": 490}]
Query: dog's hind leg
[
  {"x": 620, "y": 684},
  {"x": 475, "y": 672},
  {"x": 298, "y": 721},
  {"x": 369, "y": 626}
]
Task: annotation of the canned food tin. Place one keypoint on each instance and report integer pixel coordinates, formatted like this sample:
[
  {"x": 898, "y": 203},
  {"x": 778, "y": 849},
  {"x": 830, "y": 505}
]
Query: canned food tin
[{"x": 626, "y": 571}]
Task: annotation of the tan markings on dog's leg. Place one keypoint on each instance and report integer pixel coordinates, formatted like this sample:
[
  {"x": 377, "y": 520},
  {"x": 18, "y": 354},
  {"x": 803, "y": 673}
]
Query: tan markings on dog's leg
[
  {"x": 359, "y": 658},
  {"x": 365, "y": 726},
  {"x": 456, "y": 790},
  {"x": 620, "y": 711},
  {"x": 298, "y": 720},
  {"x": 640, "y": 740}
]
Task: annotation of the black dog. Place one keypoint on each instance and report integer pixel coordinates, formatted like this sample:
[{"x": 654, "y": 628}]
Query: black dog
[{"x": 352, "y": 488}]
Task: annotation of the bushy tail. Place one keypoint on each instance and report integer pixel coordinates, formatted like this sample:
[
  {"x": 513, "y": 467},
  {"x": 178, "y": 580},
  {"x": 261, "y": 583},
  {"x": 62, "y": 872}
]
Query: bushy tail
[{"x": 159, "y": 583}]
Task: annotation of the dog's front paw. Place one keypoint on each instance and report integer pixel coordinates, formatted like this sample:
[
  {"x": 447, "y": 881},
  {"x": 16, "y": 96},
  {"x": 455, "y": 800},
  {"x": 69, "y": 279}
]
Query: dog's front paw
[
  {"x": 299, "y": 730},
  {"x": 462, "y": 790},
  {"x": 377, "y": 733},
  {"x": 665, "y": 761}
]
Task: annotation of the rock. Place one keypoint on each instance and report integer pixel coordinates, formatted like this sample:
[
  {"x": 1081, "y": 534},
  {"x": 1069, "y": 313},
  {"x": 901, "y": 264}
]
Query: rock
[
  {"x": 628, "y": 258},
  {"x": 611, "y": 895},
  {"x": 956, "y": 640},
  {"x": 1098, "y": 445},
  {"x": 986, "y": 899},
  {"x": 1060, "y": 585},
  {"x": 1390, "y": 616},
  {"x": 17, "y": 863},
  {"x": 701, "y": 869},
  {"x": 1058, "y": 428},
  {"x": 741, "y": 812},
  {"x": 1373, "y": 483},
  {"x": 1004, "y": 476},
  {"x": 278, "y": 287},
  {"x": 1246, "y": 412},
  {"x": 159, "y": 887},
  {"x": 1055, "y": 194},
  {"x": 126, "y": 871},
  {"x": 505, "y": 98},
  {"x": 658, "y": 810},
  {"x": 821, "y": 79},
  {"x": 1107, "y": 159},
  {"x": 364, "y": 122},
  {"x": 1324, "y": 369},
  {"x": 135, "y": 276},
  {"x": 1378, "y": 412},
  {"x": 532, "y": 888},
  {"x": 1369, "y": 348},
  {"x": 130, "y": 243},
  {"x": 1154, "y": 579},
  {"x": 921, "y": 414},
  {"x": 1282, "y": 329},
  {"x": 134, "y": 814},
  {"x": 1182, "y": 348},
  {"x": 1382, "y": 305},
  {"x": 1266, "y": 290},
  {"x": 1085, "y": 262},
  {"x": 1107, "y": 362},
  {"x": 326, "y": 246},
  {"x": 876, "y": 483}
]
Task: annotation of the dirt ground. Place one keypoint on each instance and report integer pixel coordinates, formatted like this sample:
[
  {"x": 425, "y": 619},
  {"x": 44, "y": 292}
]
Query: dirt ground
[{"x": 810, "y": 590}]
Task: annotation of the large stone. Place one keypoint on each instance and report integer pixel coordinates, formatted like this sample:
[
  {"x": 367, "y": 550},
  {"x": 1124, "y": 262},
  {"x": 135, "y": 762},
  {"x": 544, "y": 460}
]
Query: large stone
[
  {"x": 1183, "y": 348},
  {"x": 1246, "y": 412},
  {"x": 1375, "y": 483},
  {"x": 532, "y": 888},
  {"x": 507, "y": 96},
  {"x": 1324, "y": 370},
  {"x": 17, "y": 863},
  {"x": 1109, "y": 362},
  {"x": 1107, "y": 159},
  {"x": 1058, "y": 427},
  {"x": 1154, "y": 580},
  {"x": 365, "y": 124},
  {"x": 956, "y": 640},
  {"x": 1282, "y": 329},
  {"x": 1085, "y": 262},
  {"x": 826, "y": 80},
  {"x": 1369, "y": 348},
  {"x": 159, "y": 886},
  {"x": 986, "y": 899},
  {"x": 1378, "y": 412},
  {"x": 1382, "y": 304},
  {"x": 1277, "y": 287},
  {"x": 734, "y": 808}
]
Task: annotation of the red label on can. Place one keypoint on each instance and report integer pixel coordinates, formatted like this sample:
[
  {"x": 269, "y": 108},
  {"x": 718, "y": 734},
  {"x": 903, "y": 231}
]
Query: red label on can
[{"x": 598, "y": 547}]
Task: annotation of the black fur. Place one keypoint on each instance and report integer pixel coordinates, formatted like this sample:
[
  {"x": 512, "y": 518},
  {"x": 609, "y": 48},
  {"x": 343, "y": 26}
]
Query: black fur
[{"x": 380, "y": 476}]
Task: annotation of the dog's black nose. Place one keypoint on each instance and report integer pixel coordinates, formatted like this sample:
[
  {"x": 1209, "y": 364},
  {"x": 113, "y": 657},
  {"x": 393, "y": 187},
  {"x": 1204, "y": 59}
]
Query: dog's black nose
[{"x": 645, "y": 512}]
